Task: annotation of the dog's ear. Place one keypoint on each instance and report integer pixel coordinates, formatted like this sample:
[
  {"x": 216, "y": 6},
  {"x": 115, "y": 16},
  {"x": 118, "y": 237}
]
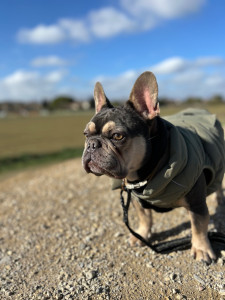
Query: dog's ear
[
  {"x": 144, "y": 95},
  {"x": 100, "y": 98}
]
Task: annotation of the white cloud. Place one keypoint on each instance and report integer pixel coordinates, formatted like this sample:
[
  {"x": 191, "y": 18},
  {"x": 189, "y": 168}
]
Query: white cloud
[
  {"x": 215, "y": 81},
  {"x": 75, "y": 30},
  {"x": 108, "y": 21},
  {"x": 177, "y": 78},
  {"x": 63, "y": 30},
  {"x": 55, "y": 76},
  {"x": 210, "y": 60},
  {"x": 188, "y": 76},
  {"x": 195, "y": 79},
  {"x": 178, "y": 64},
  {"x": 20, "y": 76},
  {"x": 200, "y": 84},
  {"x": 41, "y": 34},
  {"x": 102, "y": 23},
  {"x": 118, "y": 87},
  {"x": 131, "y": 16},
  {"x": 170, "y": 65},
  {"x": 48, "y": 61},
  {"x": 162, "y": 8},
  {"x": 25, "y": 85}
]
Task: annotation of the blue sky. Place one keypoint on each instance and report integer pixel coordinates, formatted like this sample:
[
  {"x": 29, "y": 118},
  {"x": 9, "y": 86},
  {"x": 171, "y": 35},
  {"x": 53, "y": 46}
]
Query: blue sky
[{"x": 52, "y": 47}]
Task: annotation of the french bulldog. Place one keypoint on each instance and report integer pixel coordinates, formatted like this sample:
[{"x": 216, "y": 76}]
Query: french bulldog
[{"x": 133, "y": 143}]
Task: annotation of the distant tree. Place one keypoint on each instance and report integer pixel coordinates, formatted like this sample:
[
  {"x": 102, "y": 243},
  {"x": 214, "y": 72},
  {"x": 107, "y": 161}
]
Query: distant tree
[
  {"x": 217, "y": 99},
  {"x": 61, "y": 102},
  {"x": 193, "y": 100},
  {"x": 45, "y": 104},
  {"x": 165, "y": 101},
  {"x": 92, "y": 103}
]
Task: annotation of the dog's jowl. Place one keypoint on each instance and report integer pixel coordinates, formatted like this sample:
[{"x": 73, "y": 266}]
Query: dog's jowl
[{"x": 166, "y": 162}]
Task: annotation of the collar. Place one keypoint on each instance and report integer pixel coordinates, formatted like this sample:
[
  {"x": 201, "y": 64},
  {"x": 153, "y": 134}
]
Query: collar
[{"x": 133, "y": 186}]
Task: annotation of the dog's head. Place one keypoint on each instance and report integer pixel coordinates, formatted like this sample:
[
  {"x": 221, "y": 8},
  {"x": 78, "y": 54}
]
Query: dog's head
[{"x": 117, "y": 137}]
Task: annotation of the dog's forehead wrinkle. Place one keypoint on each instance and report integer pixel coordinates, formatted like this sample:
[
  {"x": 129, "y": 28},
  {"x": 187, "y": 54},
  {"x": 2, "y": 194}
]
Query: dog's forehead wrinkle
[
  {"x": 123, "y": 117},
  {"x": 109, "y": 118},
  {"x": 109, "y": 126}
]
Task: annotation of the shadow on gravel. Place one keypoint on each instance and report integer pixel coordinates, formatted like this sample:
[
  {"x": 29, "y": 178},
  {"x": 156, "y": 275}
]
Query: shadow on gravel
[
  {"x": 160, "y": 236},
  {"x": 216, "y": 237}
]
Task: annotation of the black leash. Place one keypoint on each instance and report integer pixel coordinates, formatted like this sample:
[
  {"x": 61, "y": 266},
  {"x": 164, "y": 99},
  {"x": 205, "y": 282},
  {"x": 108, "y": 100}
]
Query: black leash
[
  {"x": 169, "y": 246},
  {"x": 125, "y": 207}
]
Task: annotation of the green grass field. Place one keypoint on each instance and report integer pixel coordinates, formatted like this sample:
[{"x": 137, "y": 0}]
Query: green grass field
[
  {"x": 28, "y": 141},
  {"x": 41, "y": 134},
  {"x": 32, "y": 141}
]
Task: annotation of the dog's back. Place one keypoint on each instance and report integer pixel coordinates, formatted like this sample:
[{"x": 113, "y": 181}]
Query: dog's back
[{"x": 205, "y": 126}]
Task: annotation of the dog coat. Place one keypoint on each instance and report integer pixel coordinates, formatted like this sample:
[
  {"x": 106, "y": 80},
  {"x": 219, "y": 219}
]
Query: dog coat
[{"x": 196, "y": 145}]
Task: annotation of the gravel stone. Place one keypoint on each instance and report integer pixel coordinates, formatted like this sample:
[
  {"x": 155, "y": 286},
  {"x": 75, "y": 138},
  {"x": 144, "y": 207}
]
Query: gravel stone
[
  {"x": 222, "y": 292},
  {"x": 91, "y": 274},
  {"x": 199, "y": 280},
  {"x": 62, "y": 237}
]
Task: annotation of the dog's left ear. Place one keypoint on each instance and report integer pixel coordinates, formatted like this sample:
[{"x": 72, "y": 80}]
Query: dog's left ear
[
  {"x": 101, "y": 100},
  {"x": 144, "y": 95}
]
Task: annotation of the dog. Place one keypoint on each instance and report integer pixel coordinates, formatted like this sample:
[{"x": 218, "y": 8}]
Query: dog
[{"x": 165, "y": 162}]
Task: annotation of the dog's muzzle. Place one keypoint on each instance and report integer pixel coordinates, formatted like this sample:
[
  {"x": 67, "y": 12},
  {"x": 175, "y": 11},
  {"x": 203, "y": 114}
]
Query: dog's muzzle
[{"x": 101, "y": 157}]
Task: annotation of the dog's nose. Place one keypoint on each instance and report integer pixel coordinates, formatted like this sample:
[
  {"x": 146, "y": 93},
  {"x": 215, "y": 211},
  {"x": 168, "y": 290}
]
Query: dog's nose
[{"x": 93, "y": 145}]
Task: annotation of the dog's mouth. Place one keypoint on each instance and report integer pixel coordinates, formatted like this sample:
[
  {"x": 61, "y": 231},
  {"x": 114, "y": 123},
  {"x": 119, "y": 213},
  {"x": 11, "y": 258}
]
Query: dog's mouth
[{"x": 93, "y": 167}]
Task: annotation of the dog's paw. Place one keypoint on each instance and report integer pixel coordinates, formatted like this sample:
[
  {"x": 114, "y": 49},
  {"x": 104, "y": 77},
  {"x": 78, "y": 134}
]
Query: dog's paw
[
  {"x": 205, "y": 254},
  {"x": 133, "y": 241}
]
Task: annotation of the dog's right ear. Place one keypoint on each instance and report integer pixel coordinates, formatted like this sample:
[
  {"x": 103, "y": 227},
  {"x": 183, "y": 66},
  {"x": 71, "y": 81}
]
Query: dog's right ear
[
  {"x": 144, "y": 96},
  {"x": 100, "y": 98}
]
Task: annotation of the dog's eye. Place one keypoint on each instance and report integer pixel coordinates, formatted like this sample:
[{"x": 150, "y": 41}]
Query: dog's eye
[{"x": 117, "y": 136}]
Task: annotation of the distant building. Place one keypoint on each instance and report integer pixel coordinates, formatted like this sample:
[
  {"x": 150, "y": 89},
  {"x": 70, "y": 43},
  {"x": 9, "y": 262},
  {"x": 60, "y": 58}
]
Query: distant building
[{"x": 85, "y": 105}]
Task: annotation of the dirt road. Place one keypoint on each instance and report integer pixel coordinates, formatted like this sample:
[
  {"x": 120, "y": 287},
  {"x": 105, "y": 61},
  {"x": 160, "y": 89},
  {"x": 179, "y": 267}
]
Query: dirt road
[{"x": 62, "y": 237}]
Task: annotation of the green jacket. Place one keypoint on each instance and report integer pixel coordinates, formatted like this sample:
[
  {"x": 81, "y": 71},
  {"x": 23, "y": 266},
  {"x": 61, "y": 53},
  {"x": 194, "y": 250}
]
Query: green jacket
[{"x": 196, "y": 144}]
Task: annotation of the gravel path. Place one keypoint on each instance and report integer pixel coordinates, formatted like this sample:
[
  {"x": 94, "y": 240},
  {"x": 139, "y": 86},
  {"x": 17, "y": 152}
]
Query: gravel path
[{"x": 62, "y": 237}]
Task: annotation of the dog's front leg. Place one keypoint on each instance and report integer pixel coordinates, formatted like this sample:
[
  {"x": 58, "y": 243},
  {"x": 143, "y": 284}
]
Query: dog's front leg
[
  {"x": 145, "y": 223},
  {"x": 198, "y": 210}
]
